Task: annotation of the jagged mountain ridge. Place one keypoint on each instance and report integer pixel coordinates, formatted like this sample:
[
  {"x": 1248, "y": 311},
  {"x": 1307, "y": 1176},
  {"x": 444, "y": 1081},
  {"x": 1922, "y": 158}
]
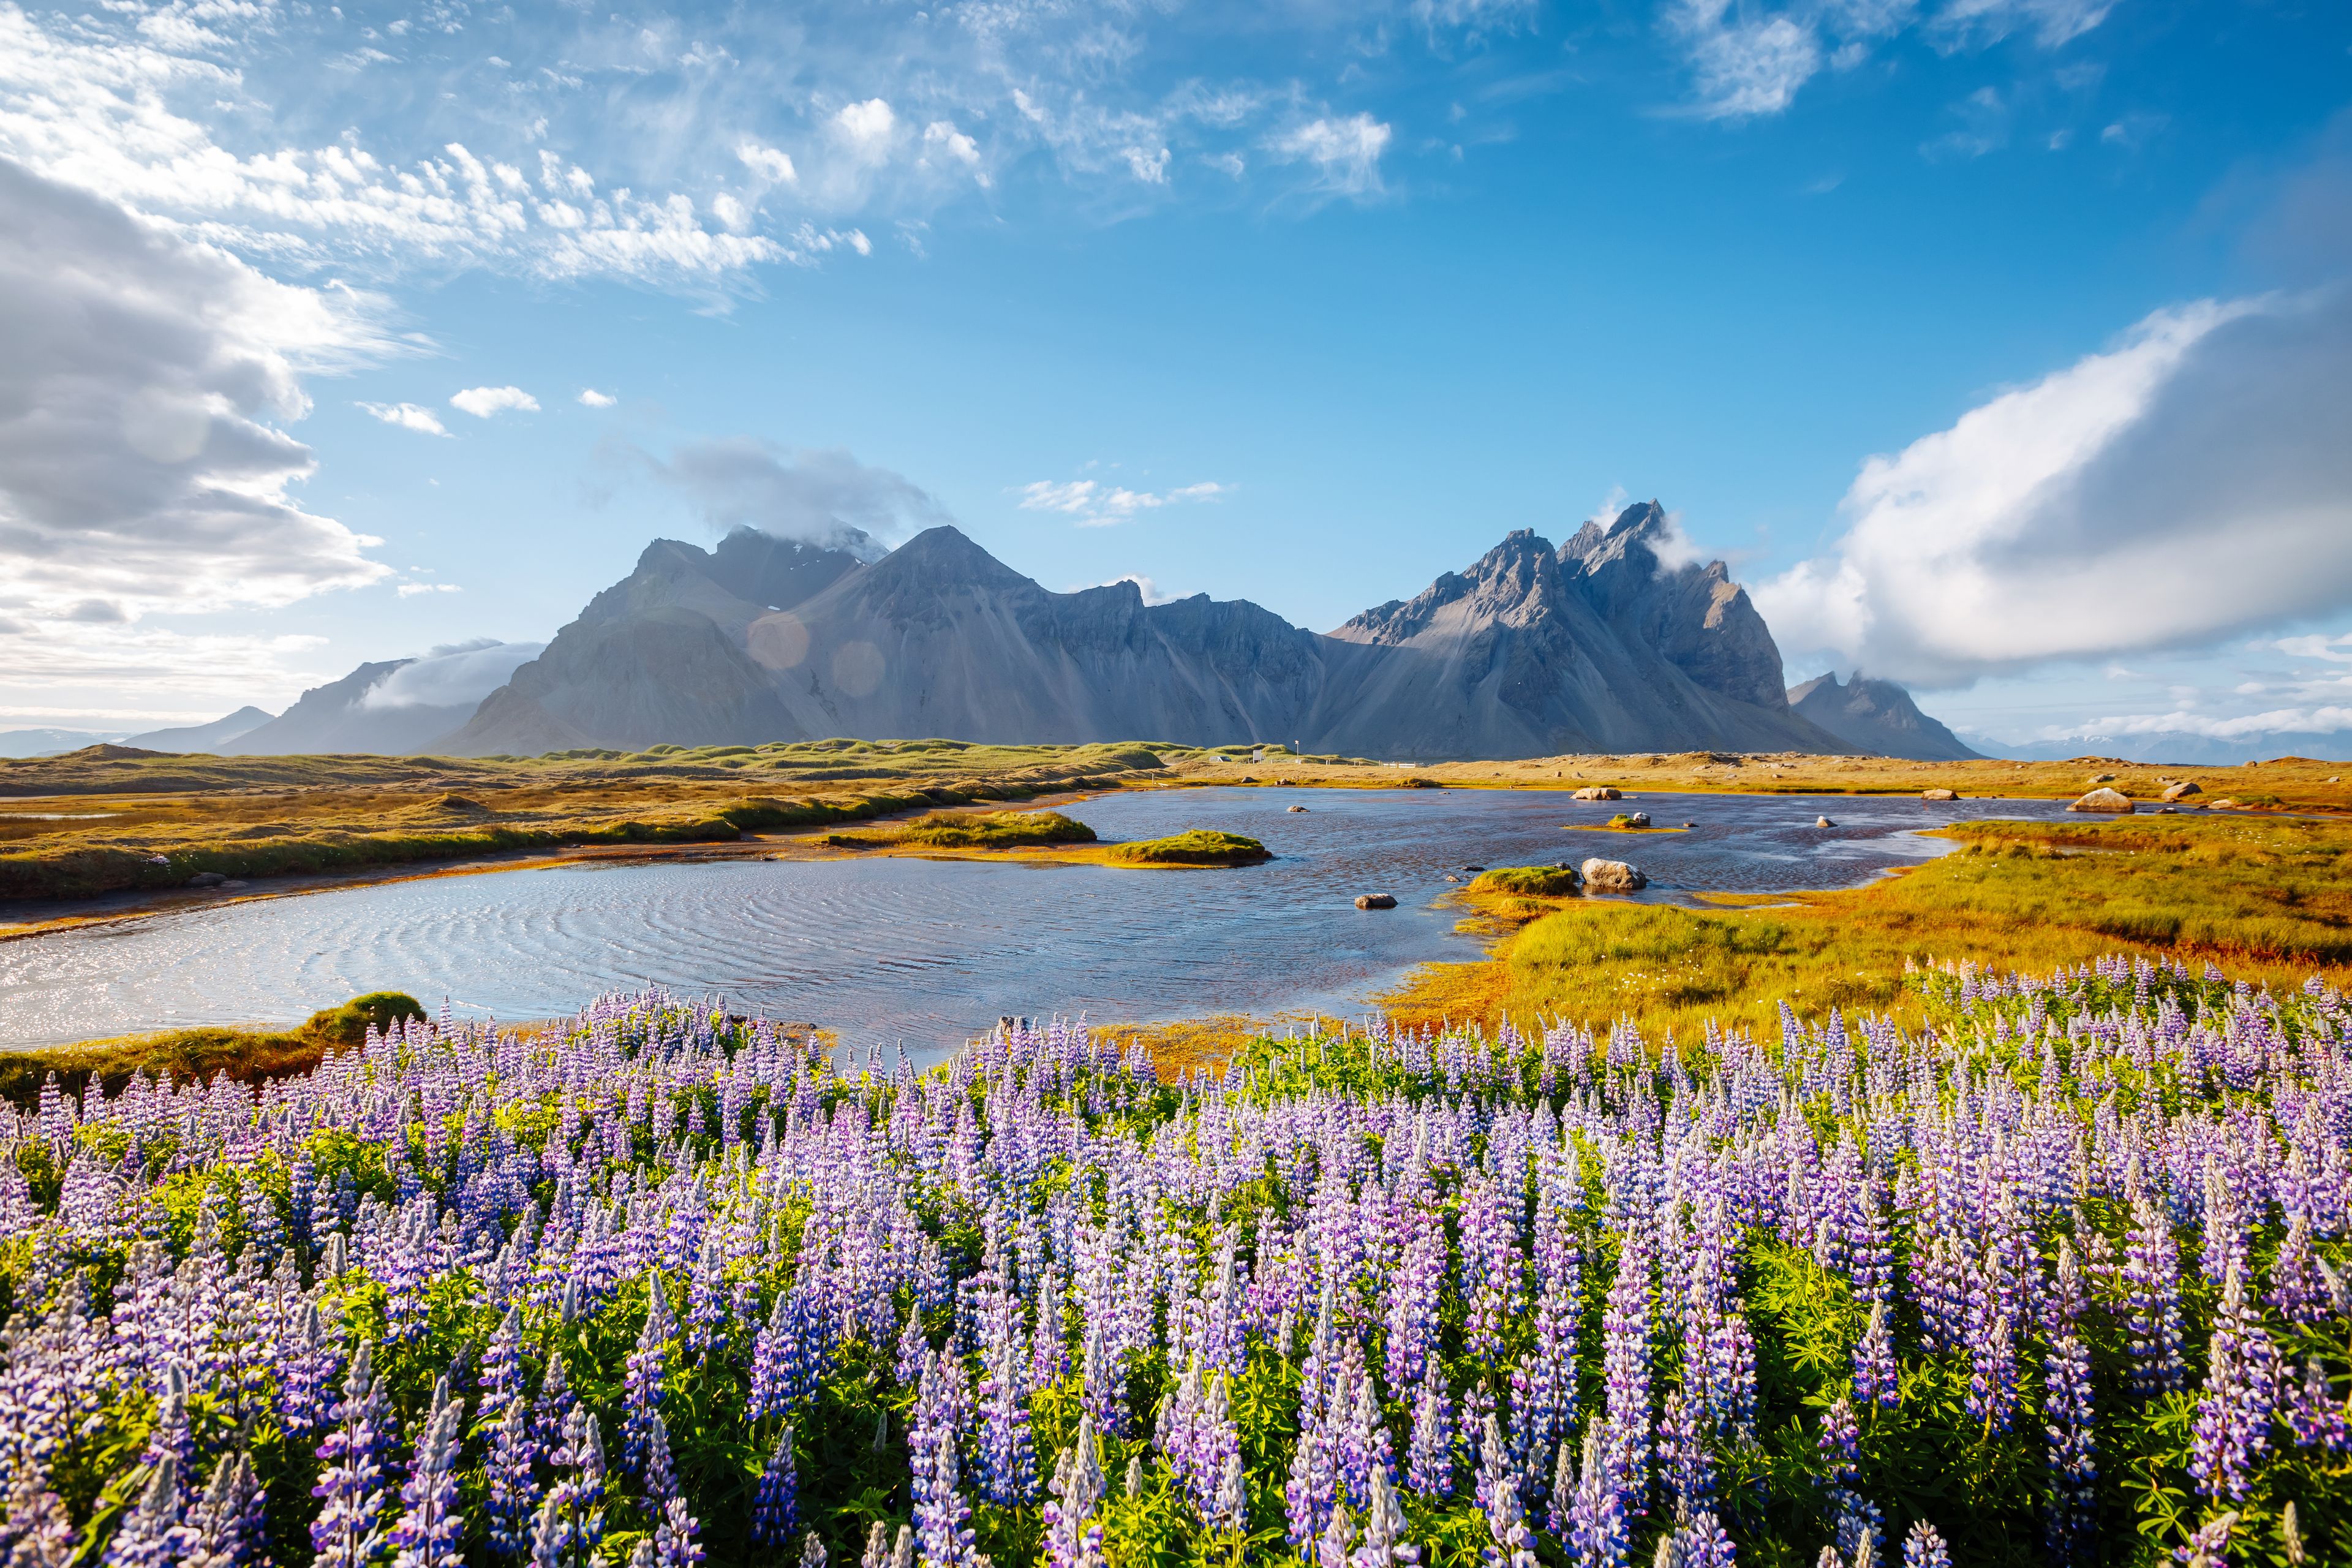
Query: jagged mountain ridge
[
  {"x": 1596, "y": 647},
  {"x": 1877, "y": 716}
]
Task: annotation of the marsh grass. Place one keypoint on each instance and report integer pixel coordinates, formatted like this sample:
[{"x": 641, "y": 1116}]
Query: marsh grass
[
  {"x": 969, "y": 830},
  {"x": 1529, "y": 882},
  {"x": 247, "y": 1056},
  {"x": 2271, "y": 898},
  {"x": 1201, "y": 847}
]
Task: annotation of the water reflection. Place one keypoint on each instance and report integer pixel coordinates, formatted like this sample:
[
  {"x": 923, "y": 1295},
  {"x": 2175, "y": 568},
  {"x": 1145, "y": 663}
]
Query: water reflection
[{"x": 926, "y": 952}]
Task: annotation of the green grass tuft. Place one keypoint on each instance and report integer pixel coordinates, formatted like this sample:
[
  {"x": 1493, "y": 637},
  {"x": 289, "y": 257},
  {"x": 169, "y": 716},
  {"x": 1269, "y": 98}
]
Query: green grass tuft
[
  {"x": 1202, "y": 846},
  {"x": 1529, "y": 881}
]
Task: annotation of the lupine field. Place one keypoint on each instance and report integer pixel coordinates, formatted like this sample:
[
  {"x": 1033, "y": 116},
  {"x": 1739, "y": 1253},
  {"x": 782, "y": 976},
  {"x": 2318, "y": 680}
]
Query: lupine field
[{"x": 2052, "y": 1279}]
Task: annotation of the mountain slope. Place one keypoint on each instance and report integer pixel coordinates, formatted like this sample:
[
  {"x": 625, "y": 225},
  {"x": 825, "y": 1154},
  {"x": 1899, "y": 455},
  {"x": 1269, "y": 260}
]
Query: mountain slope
[
  {"x": 203, "y": 737},
  {"x": 1530, "y": 652},
  {"x": 1877, "y": 716}
]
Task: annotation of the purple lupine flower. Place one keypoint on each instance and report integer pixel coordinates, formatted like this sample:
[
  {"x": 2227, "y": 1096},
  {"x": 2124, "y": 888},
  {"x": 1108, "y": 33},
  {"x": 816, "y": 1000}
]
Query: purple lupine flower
[
  {"x": 1312, "y": 1491},
  {"x": 347, "y": 1531},
  {"x": 2208, "y": 1546},
  {"x": 38, "y": 1533},
  {"x": 1383, "y": 1545},
  {"x": 942, "y": 1518},
  {"x": 1877, "y": 1377},
  {"x": 1429, "y": 1456},
  {"x": 1922, "y": 1548},
  {"x": 429, "y": 1528},
  {"x": 1008, "y": 1459},
  {"x": 1597, "y": 1534},
  {"x": 570, "y": 1523},
  {"x": 151, "y": 1535},
  {"x": 1072, "y": 1535},
  {"x": 776, "y": 1510},
  {"x": 2313, "y": 1412},
  {"x": 2233, "y": 1418},
  {"x": 1510, "y": 1544},
  {"x": 1699, "y": 1544},
  {"x": 647, "y": 1364},
  {"x": 1626, "y": 1444},
  {"x": 2152, "y": 1287}
]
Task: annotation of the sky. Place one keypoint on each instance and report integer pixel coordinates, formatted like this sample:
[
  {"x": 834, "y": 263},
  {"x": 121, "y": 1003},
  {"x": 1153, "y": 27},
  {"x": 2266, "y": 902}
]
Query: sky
[{"x": 2002, "y": 347}]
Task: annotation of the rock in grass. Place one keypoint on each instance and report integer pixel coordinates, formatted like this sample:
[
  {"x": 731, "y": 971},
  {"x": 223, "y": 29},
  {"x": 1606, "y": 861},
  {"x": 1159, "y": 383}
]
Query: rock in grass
[
  {"x": 1939, "y": 794},
  {"x": 2182, "y": 790},
  {"x": 2103, "y": 800},
  {"x": 1530, "y": 881},
  {"x": 1374, "y": 902},
  {"x": 1613, "y": 877}
]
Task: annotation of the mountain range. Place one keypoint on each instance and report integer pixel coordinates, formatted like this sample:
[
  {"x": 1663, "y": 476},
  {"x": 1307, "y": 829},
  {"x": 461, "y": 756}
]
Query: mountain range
[
  {"x": 1601, "y": 645},
  {"x": 1611, "y": 642}
]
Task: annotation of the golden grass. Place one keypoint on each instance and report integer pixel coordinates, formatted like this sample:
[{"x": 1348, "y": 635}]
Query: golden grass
[
  {"x": 1200, "y": 847},
  {"x": 969, "y": 830},
  {"x": 2269, "y": 898},
  {"x": 248, "y": 1056}
]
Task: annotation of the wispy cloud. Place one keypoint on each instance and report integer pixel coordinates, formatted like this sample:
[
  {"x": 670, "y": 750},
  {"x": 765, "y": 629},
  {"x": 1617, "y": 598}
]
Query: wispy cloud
[
  {"x": 1749, "y": 60},
  {"x": 1094, "y": 504},
  {"x": 482, "y": 402},
  {"x": 1344, "y": 152},
  {"x": 592, "y": 398},
  {"x": 407, "y": 415}
]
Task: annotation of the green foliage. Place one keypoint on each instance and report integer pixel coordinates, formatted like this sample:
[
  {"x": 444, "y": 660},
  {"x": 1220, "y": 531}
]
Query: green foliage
[
  {"x": 1529, "y": 881},
  {"x": 1201, "y": 847}
]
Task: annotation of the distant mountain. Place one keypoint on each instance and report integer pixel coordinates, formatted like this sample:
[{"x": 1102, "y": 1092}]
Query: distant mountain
[
  {"x": 46, "y": 742},
  {"x": 1876, "y": 716},
  {"x": 1530, "y": 652},
  {"x": 393, "y": 706},
  {"x": 203, "y": 737},
  {"x": 2177, "y": 746}
]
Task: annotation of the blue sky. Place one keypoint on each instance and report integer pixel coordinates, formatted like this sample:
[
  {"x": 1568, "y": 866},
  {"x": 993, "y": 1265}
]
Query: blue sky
[{"x": 2001, "y": 345}]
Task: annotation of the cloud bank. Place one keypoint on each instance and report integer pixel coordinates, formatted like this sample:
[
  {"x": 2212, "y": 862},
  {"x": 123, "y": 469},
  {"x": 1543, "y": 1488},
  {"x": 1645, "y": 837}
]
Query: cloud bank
[
  {"x": 2191, "y": 483},
  {"x": 143, "y": 462},
  {"x": 450, "y": 674}
]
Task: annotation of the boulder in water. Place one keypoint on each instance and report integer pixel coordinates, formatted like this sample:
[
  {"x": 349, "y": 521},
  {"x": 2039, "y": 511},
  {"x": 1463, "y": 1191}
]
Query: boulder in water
[
  {"x": 1939, "y": 794},
  {"x": 1374, "y": 902},
  {"x": 1613, "y": 877},
  {"x": 2105, "y": 800}
]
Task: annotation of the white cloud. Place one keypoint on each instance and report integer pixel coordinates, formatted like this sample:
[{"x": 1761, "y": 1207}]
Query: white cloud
[
  {"x": 411, "y": 590},
  {"x": 823, "y": 495},
  {"x": 768, "y": 163},
  {"x": 1345, "y": 152},
  {"x": 143, "y": 117},
  {"x": 2324, "y": 721},
  {"x": 2051, "y": 22},
  {"x": 407, "y": 415},
  {"x": 2190, "y": 484},
  {"x": 1744, "y": 66},
  {"x": 1150, "y": 590},
  {"x": 592, "y": 398},
  {"x": 447, "y": 677},
  {"x": 481, "y": 402},
  {"x": 944, "y": 141},
  {"x": 1748, "y": 61},
  {"x": 2335, "y": 649},
  {"x": 866, "y": 129},
  {"x": 143, "y": 462},
  {"x": 1097, "y": 505}
]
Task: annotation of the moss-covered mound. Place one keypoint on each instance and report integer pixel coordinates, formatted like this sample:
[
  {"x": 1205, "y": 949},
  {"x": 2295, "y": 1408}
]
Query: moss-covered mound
[
  {"x": 248, "y": 1056},
  {"x": 969, "y": 830},
  {"x": 1202, "y": 846},
  {"x": 1529, "y": 881}
]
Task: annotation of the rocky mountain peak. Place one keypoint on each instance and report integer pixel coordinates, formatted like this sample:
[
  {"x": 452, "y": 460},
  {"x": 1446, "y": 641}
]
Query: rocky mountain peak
[{"x": 1877, "y": 716}]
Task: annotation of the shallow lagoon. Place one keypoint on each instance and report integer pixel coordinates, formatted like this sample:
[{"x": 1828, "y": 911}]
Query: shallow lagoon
[{"x": 929, "y": 952}]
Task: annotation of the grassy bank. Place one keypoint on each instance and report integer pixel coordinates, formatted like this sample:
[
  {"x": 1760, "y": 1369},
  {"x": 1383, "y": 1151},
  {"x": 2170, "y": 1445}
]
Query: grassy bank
[
  {"x": 2271, "y": 898},
  {"x": 247, "y": 1056},
  {"x": 969, "y": 830},
  {"x": 1202, "y": 846},
  {"x": 108, "y": 824}
]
